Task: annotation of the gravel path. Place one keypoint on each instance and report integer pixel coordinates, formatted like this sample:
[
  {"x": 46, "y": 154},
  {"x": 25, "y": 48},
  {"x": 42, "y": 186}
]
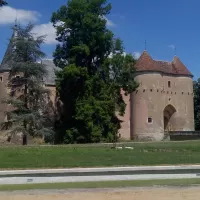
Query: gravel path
[{"x": 153, "y": 193}]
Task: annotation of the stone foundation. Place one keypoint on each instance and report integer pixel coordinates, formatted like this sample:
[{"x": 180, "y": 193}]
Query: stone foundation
[{"x": 149, "y": 137}]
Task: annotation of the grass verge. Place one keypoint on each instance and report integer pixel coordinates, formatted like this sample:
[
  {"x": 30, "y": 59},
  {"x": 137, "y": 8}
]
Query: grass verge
[
  {"x": 107, "y": 184},
  {"x": 162, "y": 153}
]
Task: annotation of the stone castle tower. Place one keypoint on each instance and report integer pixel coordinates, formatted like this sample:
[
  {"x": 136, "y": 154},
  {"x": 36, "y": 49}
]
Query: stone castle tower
[{"x": 162, "y": 102}]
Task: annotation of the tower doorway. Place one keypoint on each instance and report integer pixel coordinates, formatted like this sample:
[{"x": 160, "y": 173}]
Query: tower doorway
[{"x": 167, "y": 116}]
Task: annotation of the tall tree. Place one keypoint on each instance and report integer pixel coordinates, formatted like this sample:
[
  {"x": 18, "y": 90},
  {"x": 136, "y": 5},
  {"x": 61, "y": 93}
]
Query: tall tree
[
  {"x": 28, "y": 97},
  {"x": 196, "y": 86},
  {"x": 90, "y": 83},
  {"x": 3, "y": 3}
]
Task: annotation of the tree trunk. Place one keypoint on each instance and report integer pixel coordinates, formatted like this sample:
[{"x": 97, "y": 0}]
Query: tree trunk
[{"x": 24, "y": 140}]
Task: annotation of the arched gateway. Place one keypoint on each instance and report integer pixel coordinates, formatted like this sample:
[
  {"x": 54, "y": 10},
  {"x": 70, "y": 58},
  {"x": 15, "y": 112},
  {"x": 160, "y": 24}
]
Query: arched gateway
[{"x": 168, "y": 114}]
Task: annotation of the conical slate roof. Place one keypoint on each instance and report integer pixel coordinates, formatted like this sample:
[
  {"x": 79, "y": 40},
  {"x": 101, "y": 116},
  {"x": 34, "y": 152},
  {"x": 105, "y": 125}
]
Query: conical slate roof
[
  {"x": 51, "y": 68},
  {"x": 176, "y": 67},
  {"x": 5, "y": 62}
]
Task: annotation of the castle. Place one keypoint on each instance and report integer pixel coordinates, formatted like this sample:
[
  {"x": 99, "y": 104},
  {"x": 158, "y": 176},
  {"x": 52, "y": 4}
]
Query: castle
[{"x": 162, "y": 102}]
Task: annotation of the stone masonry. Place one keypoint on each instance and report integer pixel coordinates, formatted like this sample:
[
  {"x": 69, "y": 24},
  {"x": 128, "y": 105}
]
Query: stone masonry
[{"x": 162, "y": 102}]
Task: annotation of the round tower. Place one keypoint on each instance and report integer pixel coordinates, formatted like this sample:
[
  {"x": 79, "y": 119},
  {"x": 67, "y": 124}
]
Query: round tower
[{"x": 163, "y": 101}]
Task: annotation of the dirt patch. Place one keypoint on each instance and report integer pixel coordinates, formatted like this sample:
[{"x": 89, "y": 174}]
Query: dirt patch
[{"x": 192, "y": 193}]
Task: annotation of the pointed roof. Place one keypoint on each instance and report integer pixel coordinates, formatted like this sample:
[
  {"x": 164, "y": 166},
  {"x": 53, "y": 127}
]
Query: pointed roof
[
  {"x": 8, "y": 52},
  {"x": 51, "y": 70},
  {"x": 180, "y": 67},
  {"x": 4, "y": 64},
  {"x": 176, "y": 67},
  {"x": 144, "y": 62}
]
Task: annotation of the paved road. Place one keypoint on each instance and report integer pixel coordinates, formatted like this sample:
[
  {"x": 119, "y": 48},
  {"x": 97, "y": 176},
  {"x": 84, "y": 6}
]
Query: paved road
[{"x": 99, "y": 174}]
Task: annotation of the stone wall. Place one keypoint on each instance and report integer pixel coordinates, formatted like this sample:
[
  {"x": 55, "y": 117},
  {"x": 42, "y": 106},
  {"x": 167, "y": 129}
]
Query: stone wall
[
  {"x": 3, "y": 95},
  {"x": 124, "y": 132},
  {"x": 156, "y": 91}
]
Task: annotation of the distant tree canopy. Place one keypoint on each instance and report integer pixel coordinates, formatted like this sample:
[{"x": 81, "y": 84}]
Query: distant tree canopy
[
  {"x": 94, "y": 72},
  {"x": 196, "y": 86},
  {"x": 3, "y": 3}
]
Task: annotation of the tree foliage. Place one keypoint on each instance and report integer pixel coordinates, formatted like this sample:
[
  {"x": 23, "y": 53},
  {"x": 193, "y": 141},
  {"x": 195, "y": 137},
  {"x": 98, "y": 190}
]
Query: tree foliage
[
  {"x": 196, "y": 86},
  {"x": 28, "y": 98},
  {"x": 3, "y": 3},
  {"x": 94, "y": 72}
]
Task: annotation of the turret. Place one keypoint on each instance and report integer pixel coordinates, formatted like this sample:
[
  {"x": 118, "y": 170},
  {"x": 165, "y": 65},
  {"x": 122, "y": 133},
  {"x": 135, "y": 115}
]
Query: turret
[{"x": 163, "y": 101}]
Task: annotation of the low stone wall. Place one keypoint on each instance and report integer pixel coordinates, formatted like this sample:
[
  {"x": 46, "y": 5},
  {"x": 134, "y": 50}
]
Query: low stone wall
[{"x": 183, "y": 135}]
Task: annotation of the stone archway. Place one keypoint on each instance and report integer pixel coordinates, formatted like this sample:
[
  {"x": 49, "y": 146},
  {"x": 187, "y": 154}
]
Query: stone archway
[{"x": 167, "y": 116}]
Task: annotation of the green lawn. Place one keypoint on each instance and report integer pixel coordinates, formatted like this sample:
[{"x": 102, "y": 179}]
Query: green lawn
[
  {"x": 107, "y": 184},
  {"x": 92, "y": 156}
]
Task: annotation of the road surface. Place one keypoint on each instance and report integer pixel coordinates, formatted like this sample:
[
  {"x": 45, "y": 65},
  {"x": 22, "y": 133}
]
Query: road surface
[{"x": 99, "y": 174}]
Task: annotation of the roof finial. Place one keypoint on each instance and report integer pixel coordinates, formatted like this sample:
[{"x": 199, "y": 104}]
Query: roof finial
[
  {"x": 145, "y": 45},
  {"x": 175, "y": 50},
  {"x": 16, "y": 19}
]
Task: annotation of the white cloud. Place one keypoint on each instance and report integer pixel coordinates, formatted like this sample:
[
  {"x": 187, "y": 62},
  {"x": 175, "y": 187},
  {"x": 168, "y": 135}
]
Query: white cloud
[
  {"x": 8, "y": 15},
  {"x": 136, "y": 55},
  {"x": 111, "y": 54},
  {"x": 109, "y": 22},
  {"x": 124, "y": 54},
  {"x": 172, "y": 46},
  {"x": 48, "y": 30}
]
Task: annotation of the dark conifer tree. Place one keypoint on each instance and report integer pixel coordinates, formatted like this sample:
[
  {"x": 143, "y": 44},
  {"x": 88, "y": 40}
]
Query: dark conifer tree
[{"x": 28, "y": 98}]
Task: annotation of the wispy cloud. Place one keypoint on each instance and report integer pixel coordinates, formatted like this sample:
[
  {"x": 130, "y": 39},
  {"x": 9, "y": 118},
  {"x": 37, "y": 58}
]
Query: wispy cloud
[
  {"x": 136, "y": 54},
  {"x": 9, "y": 14},
  {"x": 109, "y": 22},
  {"x": 48, "y": 30},
  {"x": 172, "y": 46}
]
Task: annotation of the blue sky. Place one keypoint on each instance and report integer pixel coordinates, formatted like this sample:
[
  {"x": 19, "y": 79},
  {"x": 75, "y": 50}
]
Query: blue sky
[{"x": 163, "y": 24}]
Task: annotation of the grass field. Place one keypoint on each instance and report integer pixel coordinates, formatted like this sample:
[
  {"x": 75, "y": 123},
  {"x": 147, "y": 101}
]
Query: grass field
[
  {"x": 162, "y": 153},
  {"x": 107, "y": 184}
]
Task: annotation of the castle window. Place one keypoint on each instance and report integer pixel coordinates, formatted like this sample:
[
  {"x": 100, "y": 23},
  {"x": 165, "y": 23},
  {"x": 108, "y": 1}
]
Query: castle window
[
  {"x": 17, "y": 76},
  {"x": 157, "y": 90},
  {"x": 151, "y": 90},
  {"x": 169, "y": 84},
  {"x": 1, "y": 78},
  {"x": 150, "y": 120}
]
